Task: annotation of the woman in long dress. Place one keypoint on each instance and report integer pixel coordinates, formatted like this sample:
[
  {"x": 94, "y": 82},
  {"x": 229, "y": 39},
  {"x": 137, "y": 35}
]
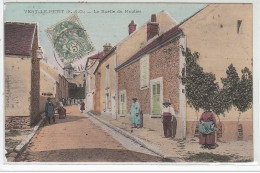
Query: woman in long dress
[
  {"x": 135, "y": 114},
  {"x": 82, "y": 106},
  {"x": 207, "y": 140}
]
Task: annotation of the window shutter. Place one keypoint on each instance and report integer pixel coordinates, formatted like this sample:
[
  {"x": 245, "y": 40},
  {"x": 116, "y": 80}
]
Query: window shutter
[{"x": 144, "y": 71}]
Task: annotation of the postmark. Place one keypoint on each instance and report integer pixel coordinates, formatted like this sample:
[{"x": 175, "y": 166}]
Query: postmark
[{"x": 70, "y": 39}]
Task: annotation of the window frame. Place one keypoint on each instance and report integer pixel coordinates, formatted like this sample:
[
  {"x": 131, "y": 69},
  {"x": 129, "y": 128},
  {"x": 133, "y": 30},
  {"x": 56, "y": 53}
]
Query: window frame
[
  {"x": 152, "y": 82},
  {"x": 107, "y": 82},
  {"x": 146, "y": 59},
  {"x": 122, "y": 92}
]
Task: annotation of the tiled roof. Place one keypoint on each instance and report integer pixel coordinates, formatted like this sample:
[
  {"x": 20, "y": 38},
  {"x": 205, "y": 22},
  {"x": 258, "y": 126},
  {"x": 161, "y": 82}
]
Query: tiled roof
[
  {"x": 99, "y": 55},
  {"x": 159, "y": 40},
  {"x": 19, "y": 38}
]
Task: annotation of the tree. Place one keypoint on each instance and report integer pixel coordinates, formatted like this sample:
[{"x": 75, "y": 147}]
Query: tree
[
  {"x": 243, "y": 97},
  {"x": 203, "y": 91},
  {"x": 201, "y": 88}
]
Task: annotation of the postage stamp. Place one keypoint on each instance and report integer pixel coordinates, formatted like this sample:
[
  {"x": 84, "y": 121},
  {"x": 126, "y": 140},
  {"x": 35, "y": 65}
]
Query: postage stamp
[{"x": 70, "y": 39}]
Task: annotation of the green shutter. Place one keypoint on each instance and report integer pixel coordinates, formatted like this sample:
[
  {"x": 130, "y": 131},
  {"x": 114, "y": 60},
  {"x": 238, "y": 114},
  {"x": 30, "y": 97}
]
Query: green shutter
[
  {"x": 156, "y": 99},
  {"x": 144, "y": 77},
  {"x": 123, "y": 103}
]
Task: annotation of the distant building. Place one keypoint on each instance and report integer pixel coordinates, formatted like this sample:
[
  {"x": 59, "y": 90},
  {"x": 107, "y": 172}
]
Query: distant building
[
  {"x": 68, "y": 72},
  {"x": 22, "y": 75},
  {"x": 77, "y": 86}
]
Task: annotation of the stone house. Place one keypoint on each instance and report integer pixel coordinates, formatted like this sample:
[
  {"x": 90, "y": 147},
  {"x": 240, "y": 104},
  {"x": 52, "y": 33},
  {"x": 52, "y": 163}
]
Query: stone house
[
  {"x": 222, "y": 34},
  {"x": 105, "y": 97},
  {"x": 151, "y": 75},
  {"x": 22, "y": 92},
  {"x": 90, "y": 67}
]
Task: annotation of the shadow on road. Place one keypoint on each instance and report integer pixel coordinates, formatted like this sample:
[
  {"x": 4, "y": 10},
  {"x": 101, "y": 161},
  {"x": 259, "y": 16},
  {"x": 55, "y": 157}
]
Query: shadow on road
[
  {"x": 89, "y": 155},
  {"x": 69, "y": 118}
]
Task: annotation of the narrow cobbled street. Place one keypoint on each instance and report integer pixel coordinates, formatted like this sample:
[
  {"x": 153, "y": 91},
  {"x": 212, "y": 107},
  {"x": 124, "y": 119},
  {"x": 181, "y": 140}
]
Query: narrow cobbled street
[{"x": 78, "y": 139}]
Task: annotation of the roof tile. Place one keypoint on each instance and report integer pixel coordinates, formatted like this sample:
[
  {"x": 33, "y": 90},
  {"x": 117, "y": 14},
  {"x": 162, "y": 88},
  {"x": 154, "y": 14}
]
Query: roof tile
[{"x": 19, "y": 38}]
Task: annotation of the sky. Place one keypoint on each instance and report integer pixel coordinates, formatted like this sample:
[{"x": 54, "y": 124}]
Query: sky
[{"x": 101, "y": 27}]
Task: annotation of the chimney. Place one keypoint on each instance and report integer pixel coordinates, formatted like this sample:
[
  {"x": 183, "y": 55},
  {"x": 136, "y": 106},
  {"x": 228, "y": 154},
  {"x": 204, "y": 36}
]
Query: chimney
[
  {"x": 107, "y": 48},
  {"x": 131, "y": 27},
  {"x": 152, "y": 28}
]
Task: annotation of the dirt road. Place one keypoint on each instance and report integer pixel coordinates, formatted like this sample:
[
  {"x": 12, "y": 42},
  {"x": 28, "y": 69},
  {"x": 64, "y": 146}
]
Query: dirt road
[{"x": 78, "y": 139}]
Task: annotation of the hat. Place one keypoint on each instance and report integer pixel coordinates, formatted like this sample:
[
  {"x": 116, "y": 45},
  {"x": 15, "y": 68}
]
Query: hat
[
  {"x": 134, "y": 98},
  {"x": 166, "y": 102}
]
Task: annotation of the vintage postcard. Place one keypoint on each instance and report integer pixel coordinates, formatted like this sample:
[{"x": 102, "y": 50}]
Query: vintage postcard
[{"x": 121, "y": 82}]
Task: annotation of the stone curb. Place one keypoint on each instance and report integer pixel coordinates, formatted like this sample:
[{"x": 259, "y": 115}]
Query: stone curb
[
  {"x": 21, "y": 147},
  {"x": 135, "y": 139}
]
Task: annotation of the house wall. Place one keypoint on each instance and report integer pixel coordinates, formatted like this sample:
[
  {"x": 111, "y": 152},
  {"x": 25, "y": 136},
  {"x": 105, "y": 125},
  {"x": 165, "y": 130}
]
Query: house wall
[
  {"x": 49, "y": 83},
  {"x": 90, "y": 86},
  {"x": 17, "y": 86},
  {"x": 17, "y": 91},
  {"x": 163, "y": 63},
  {"x": 101, "y": 83},
  {"x": 35, "y": 82},
  {"x": 63, "y": 88},
  {"x": 97, "y": 92},
  {"x": 213, "y": 33},
  {"x": 138, "y": 39}
]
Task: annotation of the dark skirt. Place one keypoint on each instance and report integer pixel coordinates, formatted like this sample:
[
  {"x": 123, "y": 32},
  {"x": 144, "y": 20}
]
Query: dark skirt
[
  {"x": 207, "y": 139},
  {"x": 82, "y": 107}
]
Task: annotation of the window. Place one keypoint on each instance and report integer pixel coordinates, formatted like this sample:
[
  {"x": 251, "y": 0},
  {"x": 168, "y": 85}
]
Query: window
[
  {"x": 156, "y": 98},
  {"x": 108, "y": 101},
  {"x": 144, "y": 71},
  {"x": 107, "y": 76},
  {"x": 123, "y": 103},
  {"x": 156, "y": 90},
  {"x": 238, "y": 25}
]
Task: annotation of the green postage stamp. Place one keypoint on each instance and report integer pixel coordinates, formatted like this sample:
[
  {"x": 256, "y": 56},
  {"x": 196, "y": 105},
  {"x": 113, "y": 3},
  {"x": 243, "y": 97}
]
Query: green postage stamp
[{"x": 70, "y": 40}]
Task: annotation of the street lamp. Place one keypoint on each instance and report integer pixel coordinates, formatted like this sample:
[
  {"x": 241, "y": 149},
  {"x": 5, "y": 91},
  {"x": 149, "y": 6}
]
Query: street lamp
[{"x": 40, "y": 54}]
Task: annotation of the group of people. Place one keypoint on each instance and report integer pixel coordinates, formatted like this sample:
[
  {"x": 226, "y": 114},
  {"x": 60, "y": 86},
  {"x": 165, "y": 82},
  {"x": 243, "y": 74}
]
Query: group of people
[
  {"x": 206, "y": 127},
  {"x": 50, "y": 109}
]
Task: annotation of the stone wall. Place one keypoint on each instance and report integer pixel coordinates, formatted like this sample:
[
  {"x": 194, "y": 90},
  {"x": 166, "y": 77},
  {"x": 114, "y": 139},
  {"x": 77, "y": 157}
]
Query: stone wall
[
  {"x": 164, "y": 62},
  {"x": 17, "y": 122}
]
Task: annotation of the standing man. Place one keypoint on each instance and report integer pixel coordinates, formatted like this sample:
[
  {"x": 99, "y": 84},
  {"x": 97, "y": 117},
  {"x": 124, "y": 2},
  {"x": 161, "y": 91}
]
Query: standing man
[
  {"x": 135, "y": 114},
  {"x": 49, "y": 110},
  {"x": 167, "y": 118}
]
